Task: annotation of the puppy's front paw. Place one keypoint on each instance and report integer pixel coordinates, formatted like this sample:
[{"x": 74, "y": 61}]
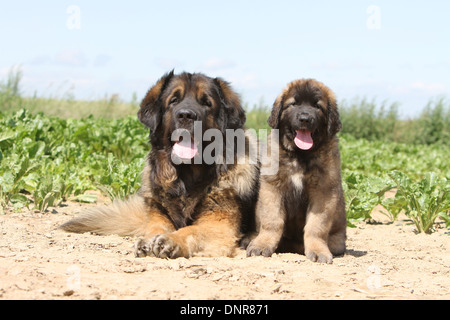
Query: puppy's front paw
[
  {"x": 256, "y": 248},
  {"x": 323, "y": 256}
]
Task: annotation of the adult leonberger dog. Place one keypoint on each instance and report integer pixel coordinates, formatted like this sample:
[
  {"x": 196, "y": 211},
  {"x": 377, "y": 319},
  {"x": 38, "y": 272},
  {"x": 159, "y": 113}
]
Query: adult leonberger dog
[
  {"x": 185, "y": 205},
  {"x": 301, "y": 208}
]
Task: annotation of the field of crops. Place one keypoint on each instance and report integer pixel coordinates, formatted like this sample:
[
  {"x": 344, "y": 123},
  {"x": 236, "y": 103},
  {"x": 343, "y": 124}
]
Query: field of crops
[{"x": 45, "y": 159}]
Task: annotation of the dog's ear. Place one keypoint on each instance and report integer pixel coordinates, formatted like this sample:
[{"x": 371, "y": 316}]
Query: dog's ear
[
  {"x": 274, "y": 119},
  {"x": 334, "y": 123},
  {"x": 150, "y": 112},
  {"x": 235, "y": 113}
]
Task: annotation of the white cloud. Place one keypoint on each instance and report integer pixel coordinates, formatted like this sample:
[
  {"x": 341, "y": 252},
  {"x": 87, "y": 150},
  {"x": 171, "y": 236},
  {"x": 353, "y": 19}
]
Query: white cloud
[
  {"x": 245, "y": 81},
  {"x": 168, "y": 64},
  {"x": 74, "y": 58},
  {"x": 101, "y": 60},
  {"x": 215, "y": 64},
  {"x": 432, "y": 88},
  {"x": 341, "y": 65},
  {"x": 40, "y": 60},
  {"x": 333, "y": 65}
]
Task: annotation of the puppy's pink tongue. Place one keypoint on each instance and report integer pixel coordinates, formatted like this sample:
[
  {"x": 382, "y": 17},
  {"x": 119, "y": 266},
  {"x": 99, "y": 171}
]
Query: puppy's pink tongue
[
  {"x": 185, "y": 149},
  {"x": 303, "y": 139}
]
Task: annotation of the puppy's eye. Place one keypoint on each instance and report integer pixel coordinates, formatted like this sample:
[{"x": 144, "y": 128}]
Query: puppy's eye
[
  {"x": 207, "y": 103},
  {"x": 173, "y": 100}
]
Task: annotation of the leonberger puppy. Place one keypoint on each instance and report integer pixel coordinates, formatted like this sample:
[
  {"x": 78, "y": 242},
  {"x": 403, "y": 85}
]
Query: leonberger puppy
[
  {"x": 301, "y": 208},
  {"x": 186, "y": 205}
]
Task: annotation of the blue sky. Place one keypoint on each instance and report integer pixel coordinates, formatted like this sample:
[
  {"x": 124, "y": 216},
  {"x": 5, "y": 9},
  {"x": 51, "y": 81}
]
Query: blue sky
[{"x": 388, "y": 50}]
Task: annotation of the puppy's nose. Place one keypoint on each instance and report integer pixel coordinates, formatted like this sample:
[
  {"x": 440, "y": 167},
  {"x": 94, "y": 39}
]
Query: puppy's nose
[{"x": 186, "y": 114}]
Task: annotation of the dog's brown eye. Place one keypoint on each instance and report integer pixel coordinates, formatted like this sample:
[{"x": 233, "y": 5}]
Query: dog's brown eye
[
  {"x": 290, "y": 104},
  {"x": 207, "y": 103},
  {"x": 173, "y": 100}
]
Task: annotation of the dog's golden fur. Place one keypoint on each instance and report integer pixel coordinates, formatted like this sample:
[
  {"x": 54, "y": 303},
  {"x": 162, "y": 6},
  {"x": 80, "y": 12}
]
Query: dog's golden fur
[
  {"x": 301, "y": 208},
  {"x": 184, "y": 209}
]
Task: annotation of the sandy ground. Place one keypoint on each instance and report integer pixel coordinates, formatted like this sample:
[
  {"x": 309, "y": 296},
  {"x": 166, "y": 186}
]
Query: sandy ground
[{"x": 383, "y": 261}]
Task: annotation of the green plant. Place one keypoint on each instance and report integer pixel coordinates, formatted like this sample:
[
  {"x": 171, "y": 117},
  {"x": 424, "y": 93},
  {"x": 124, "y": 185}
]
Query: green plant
[
  {"x": 256, "y": 117},
  {"x": 362, "y": 195},
  {"x": 121, "y": 179},
  {"x": 378, "y": 121},
  {"x": 366, "y": 119},
  {"x": 423, "y": 201},
  {"x": 433, "y": 125},
  {"x": 45, "y": 160}
]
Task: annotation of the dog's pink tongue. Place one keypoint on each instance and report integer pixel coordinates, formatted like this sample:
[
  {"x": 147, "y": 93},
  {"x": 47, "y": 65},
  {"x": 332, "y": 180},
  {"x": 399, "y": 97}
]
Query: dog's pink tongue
[
  {"x": 185, "y": 149},
  {"x": 303, "y": 139}
]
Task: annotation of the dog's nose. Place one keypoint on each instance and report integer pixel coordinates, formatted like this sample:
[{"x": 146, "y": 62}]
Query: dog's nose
[
  {"x": 305, "y": 119},
  {"x": 186, "y": 114}
]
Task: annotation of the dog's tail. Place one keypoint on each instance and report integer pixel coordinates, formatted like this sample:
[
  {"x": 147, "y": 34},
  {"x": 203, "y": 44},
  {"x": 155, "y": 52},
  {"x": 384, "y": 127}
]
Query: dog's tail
[{"x": 123, "y": 217}]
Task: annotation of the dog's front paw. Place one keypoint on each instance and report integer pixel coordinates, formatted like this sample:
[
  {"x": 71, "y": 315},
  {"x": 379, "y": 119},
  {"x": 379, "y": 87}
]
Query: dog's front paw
[
  {"x": 256, "y": 248},
  {"x": 143, "y": 248},
  {"x": 161, "y": 246},
  {"x": 323, "y": 256}
]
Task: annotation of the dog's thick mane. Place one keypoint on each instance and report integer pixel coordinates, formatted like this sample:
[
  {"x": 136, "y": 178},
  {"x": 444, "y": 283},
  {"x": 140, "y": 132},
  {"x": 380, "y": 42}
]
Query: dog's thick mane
[{"x": 211, "y": 203}]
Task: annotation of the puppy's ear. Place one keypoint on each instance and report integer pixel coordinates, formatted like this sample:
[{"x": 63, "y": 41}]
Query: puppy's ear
[
  {"x": 151, "y": 109},
  {"x": 235, "y": 113},
  {"x": 334, "y": 123},
  {"x": 274, "y": 119}
]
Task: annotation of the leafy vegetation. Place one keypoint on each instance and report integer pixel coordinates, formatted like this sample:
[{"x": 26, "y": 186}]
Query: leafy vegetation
[
  {"x": 366, "y": 119},
  {"x": 422, "y": 201},
  {"x": 371, "y": 168},
  {"x": 63, "y": 104},
  {"x": 45, "y": 159}
]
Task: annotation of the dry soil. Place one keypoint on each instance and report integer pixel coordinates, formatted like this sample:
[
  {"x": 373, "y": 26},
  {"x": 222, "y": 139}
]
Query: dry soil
[{"x": 383, "y": 261}]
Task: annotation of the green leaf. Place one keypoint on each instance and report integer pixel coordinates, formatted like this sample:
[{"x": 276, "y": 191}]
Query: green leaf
[
  {"x": 19, "y": 199},
  {"x": 6, "y": 135},
  {"x": 36, "y": 150},
  {"x": 85, "y": 198}
]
